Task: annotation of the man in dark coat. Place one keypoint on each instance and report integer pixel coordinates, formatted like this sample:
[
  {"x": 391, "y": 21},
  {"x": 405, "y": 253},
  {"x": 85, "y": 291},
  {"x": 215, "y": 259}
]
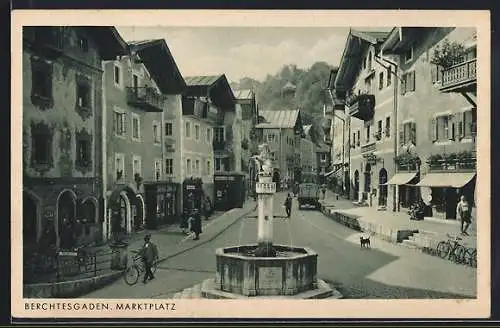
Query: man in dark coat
[
  {"x": 196, "y": 224},
  {"x": 149, "y": 254},
  {"x": 288, "y": 205}
]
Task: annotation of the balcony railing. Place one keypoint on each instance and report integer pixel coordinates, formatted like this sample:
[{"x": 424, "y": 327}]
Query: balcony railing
[
  {"x": 362, "y": 106},
  {"x": 368, "y": 147},
  {"x": 146, "y": 98},
  {"x": 460, "y": 77}
]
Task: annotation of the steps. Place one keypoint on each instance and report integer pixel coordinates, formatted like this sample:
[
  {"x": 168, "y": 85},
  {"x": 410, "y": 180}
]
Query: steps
[{"x": 189, "y": 293}]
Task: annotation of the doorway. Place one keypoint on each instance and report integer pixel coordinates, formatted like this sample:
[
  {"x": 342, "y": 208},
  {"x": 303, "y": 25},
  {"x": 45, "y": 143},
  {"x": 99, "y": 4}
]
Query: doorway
[
  {"x": 382, "y": 180},
  {"x": 66, "y": 217},
  {"x": 356, "y": 185},
  {"x": 30, "y": 221}
]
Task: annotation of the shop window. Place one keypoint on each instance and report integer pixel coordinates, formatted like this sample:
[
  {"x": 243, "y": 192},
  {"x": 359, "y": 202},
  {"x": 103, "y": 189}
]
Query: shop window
[
  {"x": 169, "y": 129},
  {"x": 197, "y": 132},
  {"x": 136, "y": 127},
  {"x": 83, "y": 162},
  {"x": 119, "y": 123},
  {"x": 387, "y": 127},
  {"x": 156, "y": 133},
  {"x": 41, "y": 147},
  {"x": 83, "y": 96},
  {"x": 169, "y": 166},
  {"x": 219, "y": 134},
  {"x": 119, "y": 165},
  {"x": 41, "y": 83}
]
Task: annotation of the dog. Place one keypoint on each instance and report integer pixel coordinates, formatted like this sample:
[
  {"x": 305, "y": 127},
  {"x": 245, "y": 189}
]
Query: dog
[{"x": 365, "y": 242}]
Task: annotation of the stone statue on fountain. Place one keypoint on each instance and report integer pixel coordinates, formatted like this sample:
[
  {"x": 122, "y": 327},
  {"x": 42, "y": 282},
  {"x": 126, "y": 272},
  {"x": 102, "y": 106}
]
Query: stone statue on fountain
[{"x": 263, "y": 161}]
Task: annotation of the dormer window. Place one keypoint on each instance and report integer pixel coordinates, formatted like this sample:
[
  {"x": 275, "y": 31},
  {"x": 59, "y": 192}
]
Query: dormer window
[{"x": 409, "y": 54}]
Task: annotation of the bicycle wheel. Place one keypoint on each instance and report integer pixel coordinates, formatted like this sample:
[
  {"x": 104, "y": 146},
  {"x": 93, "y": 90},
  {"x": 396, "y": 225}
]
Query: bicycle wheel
[
  {"x": 443, "y": 248},
  {"x": 458, "y": 254},
  {"x": 473, "y": 262},
  {"x": 468, "y": 256},
  {"x": 131, "y": 275}
]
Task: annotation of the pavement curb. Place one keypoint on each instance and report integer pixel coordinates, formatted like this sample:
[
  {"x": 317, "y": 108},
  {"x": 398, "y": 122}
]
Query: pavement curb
[{"x": 205, "y": 241}]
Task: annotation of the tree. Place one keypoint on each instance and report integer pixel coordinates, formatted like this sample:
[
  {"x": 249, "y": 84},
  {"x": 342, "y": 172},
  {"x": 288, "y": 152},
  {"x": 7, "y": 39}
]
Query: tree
[{"x": 448, "y": 54}]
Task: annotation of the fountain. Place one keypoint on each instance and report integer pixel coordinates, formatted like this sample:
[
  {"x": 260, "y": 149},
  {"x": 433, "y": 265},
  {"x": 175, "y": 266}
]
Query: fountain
[{"x": 265, "y": 269}]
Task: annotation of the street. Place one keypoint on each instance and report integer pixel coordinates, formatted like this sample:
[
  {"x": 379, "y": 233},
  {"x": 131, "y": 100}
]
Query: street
[{"x": 384, "y": 271}]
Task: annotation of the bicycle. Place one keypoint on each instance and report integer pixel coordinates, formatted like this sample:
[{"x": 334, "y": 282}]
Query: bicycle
[
  {"x": 470, "y": 257},
  {"x": 451, "y": 249},
  {"x": 86, "y": 259},
  {"x": 133, "y": 272}
]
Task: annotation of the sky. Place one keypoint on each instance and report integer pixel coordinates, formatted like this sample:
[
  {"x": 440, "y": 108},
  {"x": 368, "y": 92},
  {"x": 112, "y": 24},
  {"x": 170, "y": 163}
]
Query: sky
[{"x": 245, "y": 51}]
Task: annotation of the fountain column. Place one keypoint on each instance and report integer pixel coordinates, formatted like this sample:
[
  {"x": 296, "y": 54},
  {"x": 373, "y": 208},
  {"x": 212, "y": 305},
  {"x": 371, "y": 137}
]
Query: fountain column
[{"x": 265, "y": 189}]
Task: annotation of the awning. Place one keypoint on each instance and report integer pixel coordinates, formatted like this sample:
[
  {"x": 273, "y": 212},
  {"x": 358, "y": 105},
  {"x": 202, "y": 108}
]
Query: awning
[
  {"x": 401, "y": 178},
  {"x": 452, "y": 180},
  {"x": 334, "y": 171}
]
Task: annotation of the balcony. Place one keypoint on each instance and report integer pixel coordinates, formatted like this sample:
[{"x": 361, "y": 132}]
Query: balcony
[
  {"x": 368, "y": 147},
  {"x": 362, "y": 106},
  {"x": 460, "y": 77},
  {"x": 146, "y": 98},
  {"x": 219, "y": 144}
]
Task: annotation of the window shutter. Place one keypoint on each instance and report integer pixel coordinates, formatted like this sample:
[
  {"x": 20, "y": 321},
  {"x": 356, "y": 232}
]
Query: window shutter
[
  {"x": 459, "y": 119},
  {"x": 414, "y": 133},
  {"x": 401, "y": 135},
  {"x": 474, "y": 122},
  {"x": 451, "y": 132},
  {"x": 412, "y": 81},
  {"x": 434, "y": 73},
  {"x": 433, "y": 129},
  {"x": 403, "y": 85}
]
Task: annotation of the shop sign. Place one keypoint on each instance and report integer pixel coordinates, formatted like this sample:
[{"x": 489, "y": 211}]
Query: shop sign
[
  {"x": 49, "y": 211},
  {"x": 224, "y": 178}
]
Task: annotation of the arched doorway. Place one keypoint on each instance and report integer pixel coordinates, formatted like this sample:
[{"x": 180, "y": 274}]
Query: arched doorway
[
  {"x": 88, "y": 213},
  {"x": 139, "y": 213},
  {"x": 277, "y": 179},
  {"x": 368, "y": 178},
  {"x": 120, "y": 219},
  {"x": 356, "y": 184},
  {"x": 382, "y": 180},
  {"x": 66, "y": 219},
  {"x": 30, "y": 220}
]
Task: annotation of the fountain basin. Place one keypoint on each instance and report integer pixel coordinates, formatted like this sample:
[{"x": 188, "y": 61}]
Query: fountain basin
[{"x": 242, "y": 274}]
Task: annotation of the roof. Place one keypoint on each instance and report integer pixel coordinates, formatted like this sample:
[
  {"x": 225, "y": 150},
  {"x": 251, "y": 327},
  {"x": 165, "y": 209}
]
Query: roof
[
  {"x": 202, "y": 80},
  {"x": 278, "y": 118},
  {"x": 401, "y": 38},
  {"x": 351, "y": 57},
  {"x": 322, "y": 148},
  {"x": 215, "y": 86},
  {"x": 243, "y": 94},
  {"x": 109, "y": 41},
  {"x": 160, "y": 63}
]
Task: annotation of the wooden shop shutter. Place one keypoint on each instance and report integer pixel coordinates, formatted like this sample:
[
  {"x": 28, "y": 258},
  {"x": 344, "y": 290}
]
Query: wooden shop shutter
[
  {"x": 401, "y": 135},
  {"x": 433, "y": 129},
  {"x": 451, "y": 128},
  {"x": 414, "y": 132}
]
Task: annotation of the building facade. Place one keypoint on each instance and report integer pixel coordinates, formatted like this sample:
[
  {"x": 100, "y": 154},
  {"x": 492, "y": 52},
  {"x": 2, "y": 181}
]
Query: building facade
[
  {"x": 245, "y": 99},
  {"x": 209, "y": 111},
  {"x": 137, "y": 101},
  {"x": 282, "y": 131},
  {"x": 368, "y": 87},
  {"x": 62, "y": 133},
  {"x": 436, "y": 116},
  {"x": 308, "y": 164}
]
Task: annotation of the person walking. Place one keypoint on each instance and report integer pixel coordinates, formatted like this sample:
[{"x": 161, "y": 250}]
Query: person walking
[
  {"x": 149, "y": 254},
  {"x": 288, "y": 205},
  {"x": 207, "y": 207},
  {"x": 196, "y": 224},
  {"x": 464, "y": 213},
  {"x": 323, "y": 190}
]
